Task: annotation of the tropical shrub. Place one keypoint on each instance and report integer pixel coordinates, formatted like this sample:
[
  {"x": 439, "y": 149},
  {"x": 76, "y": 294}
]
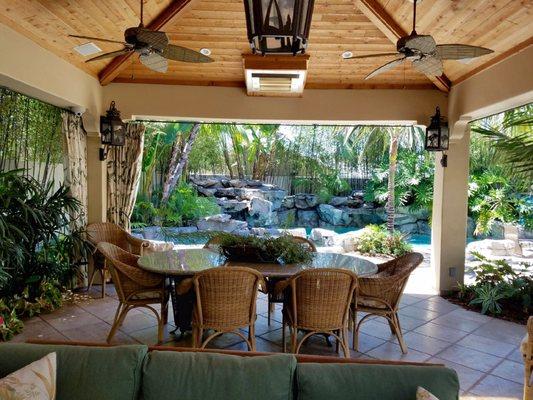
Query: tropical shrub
[
  {"x": 498, "y": 289},
  {"x": 376, "y": 240},
  {"x": 183, "y": 208},
  {"x": 36, "y": 243}
]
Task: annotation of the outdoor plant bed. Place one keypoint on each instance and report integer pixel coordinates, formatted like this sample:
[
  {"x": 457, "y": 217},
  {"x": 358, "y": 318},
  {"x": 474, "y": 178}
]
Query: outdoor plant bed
[
  {"x": 282, "y": 250},
  {"x": 498, "y": 290}
]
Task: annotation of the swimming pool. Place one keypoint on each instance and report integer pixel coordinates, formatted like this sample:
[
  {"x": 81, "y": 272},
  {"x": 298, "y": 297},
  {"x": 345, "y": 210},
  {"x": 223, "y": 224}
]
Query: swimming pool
[{"x": 197, "y": 238}]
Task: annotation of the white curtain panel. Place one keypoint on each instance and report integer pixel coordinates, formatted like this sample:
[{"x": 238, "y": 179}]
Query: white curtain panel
[
  {"x": 123, "y": 176},
  {"x": 75, "y": 164}
]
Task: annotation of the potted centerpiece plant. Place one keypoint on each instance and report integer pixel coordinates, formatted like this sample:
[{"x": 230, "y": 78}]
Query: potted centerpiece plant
[{"x": 281, "y": 250}]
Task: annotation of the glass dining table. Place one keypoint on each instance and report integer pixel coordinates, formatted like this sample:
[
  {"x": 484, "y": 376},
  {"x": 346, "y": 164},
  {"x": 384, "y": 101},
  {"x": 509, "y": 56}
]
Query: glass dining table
[{"x": 180, "y": 264}]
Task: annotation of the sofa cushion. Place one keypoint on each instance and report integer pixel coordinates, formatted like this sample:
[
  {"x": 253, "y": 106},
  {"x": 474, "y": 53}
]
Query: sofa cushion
[
  {"x": 192, "y": 376},
  {"x": 373, "y": 382},
  {"x": 83, "y": 372}
]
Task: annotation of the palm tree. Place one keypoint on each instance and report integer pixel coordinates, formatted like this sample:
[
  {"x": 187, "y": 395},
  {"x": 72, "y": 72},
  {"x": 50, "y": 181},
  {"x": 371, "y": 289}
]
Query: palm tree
[{"x": 374, "y": 142}]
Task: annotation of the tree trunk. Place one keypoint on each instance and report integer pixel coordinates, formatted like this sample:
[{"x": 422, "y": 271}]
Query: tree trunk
[
  {"x": 393, "y": 156},
  {"x": 176, "y": 167}
]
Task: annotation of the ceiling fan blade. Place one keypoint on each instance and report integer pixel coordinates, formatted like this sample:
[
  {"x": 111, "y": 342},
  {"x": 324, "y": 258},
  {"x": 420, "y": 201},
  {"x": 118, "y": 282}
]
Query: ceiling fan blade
[
  {"x": 429, "y": 66},
  {"x": 97, "y": 39},
  {"x": 385, "y": 67},
  {"x": 372, "y": 56},
  {"x": 178, "y": 53},
  {"x": 425, "y": 44},
  {"x": 110, "y": 55},
  {"x": 460, "y": 51},
  {"x": 154, "y": 62},
  {"x": 156, "y": 39}
]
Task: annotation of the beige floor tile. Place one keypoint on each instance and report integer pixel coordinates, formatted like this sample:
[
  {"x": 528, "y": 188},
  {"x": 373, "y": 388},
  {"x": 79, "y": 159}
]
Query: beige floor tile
[
  {"x": 467, "y": 376},
  {"x": 424, "y": 343},
  {"x": 135, "y": 322},
  {"x": 494, "y": 387},
  {"x": 392, "y": 351},
  {"x": 149, "y": 335},
  {"x": 487, "y": 345},
  {"x": 510, "y": 370},
  {"x": 441, "y": 332},
  {"x": 470, "y": 358},
  {"x": 501, "y": 330},
  {"x": 458, "y": 323},
  {"x": 419, "y": 313}
]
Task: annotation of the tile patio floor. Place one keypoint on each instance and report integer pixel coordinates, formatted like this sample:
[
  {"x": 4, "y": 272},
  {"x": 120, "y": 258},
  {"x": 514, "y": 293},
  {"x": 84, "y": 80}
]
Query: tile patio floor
[{"x": 483, "y": 350}]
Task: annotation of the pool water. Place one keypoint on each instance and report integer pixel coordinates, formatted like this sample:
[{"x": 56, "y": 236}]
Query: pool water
[{"x": 201, "y": 237}]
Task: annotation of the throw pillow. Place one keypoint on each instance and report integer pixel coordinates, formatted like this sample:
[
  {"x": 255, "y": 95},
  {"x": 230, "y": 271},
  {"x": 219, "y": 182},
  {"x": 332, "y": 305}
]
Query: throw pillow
[
  {"x": 423, "y": 394},
  {"x": 36, "y": 381}
]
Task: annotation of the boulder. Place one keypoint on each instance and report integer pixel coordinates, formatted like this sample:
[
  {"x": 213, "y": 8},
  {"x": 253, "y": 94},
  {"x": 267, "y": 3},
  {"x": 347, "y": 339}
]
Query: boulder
[
  {"x": 403, "y": 219},
  {"x": 332, "y": 215},
  {"x": 491, "y": 248},
  {"x": 236, "y": 183},
  {"x": 225, "y": 183},
  {"x": 207, "y": 183},
  {"x": 253, "y": 183},
  {"x": 301, "y": 232},
  {"x": 287, "y": 217},
  {"x": 226, "y": 192},
  {"x": 424, "y": 228},
  {"x": 221, "y": 222},
  {"x": 411, "y": 228},
  {"x": 288, "y": 202},
  {"x": 322, "y": 237},
  {"x": 261, "y": 212},
  {"x": 275, "y": 196},
  {"x": 242, "y": 232},
  {"x": 307, "y": 218},
  {"x": 470, "y": 227},
  {"x": 338, "y": 201},
  {"x": 181, "y": 230},
  {"x": 232, "y": 206},
  {"x": 355, "y": 202},
  {"x": 304, "y": 201},
  {"x": 152, "y": 233},
  {"x": 360, "y": 217},
  {"x": 347, "y": 240},
  {"x": 207, "y": 192}
]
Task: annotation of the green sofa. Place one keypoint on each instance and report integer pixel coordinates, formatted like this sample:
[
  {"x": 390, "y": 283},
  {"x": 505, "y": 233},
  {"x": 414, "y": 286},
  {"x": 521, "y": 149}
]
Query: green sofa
[{"x": 159, "y": 373}]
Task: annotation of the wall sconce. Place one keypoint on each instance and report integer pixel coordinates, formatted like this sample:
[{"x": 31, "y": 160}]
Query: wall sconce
[
  {"x": 112, "y": 130},
  {"x": 437, "y": 136}
]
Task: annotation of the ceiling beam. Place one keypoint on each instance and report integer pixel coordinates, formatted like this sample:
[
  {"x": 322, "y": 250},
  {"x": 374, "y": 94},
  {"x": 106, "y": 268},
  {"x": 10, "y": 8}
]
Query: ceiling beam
[
  {"x": 375, "y": 12},
  {"x": 113, "y": 69}
]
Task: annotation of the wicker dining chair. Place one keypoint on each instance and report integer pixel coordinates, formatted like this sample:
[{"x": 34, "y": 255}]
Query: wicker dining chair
[
  {"x": 380, "y": 294},
  {"x": 271, "y": 283},
  {"x": 110, "y": 233},
  {"x": 135, "y": 287},
  {"x": 225, "y": 301},
  {"x": 526, "y": 349},
  {"x": 318, "y": 302}
]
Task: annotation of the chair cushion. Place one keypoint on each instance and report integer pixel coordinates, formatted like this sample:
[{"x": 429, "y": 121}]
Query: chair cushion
[
  {"x": 83, "y": 372},
  {"x": 373, "y": 382},
  {"x": 190, "y": 376}
]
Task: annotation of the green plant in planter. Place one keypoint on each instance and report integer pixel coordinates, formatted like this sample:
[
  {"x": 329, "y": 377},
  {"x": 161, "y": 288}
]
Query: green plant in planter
[{"x": 265, "y": 249}]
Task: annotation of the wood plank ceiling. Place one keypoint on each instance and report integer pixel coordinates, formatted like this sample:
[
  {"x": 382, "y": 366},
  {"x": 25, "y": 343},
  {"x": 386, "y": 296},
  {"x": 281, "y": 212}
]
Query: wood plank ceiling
[{"x": 505, "y": 26}]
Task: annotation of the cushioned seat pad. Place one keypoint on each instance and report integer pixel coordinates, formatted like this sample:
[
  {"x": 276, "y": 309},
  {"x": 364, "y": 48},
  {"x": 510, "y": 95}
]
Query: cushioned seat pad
[
  {"x": 83, "y": 372},
  {"x": 373, "y": 382},
  {"x": 193, "y": 376}
]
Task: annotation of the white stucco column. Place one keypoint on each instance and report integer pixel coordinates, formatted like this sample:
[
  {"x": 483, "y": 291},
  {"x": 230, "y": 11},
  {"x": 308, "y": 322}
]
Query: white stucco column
[
  {"x": 96, "y": 180},
  {"x": 449, "y": 221}
]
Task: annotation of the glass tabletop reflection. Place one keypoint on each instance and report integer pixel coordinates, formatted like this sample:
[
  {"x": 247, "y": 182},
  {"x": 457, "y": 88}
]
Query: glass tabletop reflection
[{"x": 186, "y": 262}]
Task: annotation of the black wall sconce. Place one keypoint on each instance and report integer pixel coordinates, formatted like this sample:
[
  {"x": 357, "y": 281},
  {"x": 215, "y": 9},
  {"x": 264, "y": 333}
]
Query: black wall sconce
[
  {"x": 437, "y": 136},
  {"x": 112, "y": 130}
]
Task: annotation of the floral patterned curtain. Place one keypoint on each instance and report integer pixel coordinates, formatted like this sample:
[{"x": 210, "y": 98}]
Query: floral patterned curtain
[
  {"x": 123, "y": 175},
  {"x": 75, "y": 164}
]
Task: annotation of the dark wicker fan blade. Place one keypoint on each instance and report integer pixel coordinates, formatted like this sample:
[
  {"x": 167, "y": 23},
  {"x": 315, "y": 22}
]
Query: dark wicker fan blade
[
  {"x": 110, "y": 55},
  {"x": 178, "y": 53},
  {"x": 460, "y": 51},
  {"x": 385, "y": 67},
  {"x": 429, "y": 66},
  {"x": 98, "y": 39},
  {"x": 154, "y": 62},
  {"x": 372, "y": 56},
  {"x": 425, "y": 44},
  {"x": 157, "y": 40}
]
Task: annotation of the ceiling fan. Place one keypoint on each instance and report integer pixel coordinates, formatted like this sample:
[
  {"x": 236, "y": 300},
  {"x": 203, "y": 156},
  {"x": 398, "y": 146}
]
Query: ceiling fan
[
  {"x": 152, "y": 46},
  {"x": 424, "y": 53}
]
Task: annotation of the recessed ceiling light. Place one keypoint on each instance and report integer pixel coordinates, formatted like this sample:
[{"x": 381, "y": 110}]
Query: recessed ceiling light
[
  {"x": 347, "y": 54},
  {"x": 205, "y": 52},
  {"x": 87, "y": 49}
]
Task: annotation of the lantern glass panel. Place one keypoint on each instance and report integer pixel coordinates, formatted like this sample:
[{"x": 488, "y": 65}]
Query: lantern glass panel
[
  {"x": 444, "y": 137},
  {"x": 105, "y": 130},
  {"x": 278, "y": 16}
]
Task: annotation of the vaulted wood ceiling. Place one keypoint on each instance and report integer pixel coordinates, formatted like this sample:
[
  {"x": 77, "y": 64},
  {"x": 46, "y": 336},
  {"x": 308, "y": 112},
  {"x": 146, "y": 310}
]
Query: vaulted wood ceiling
[{"x": 506, "y": 26}]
